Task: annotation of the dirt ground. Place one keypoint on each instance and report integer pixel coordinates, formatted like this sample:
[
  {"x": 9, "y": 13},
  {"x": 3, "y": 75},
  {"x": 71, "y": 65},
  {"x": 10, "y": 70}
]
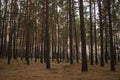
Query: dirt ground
[{"x": 18, "y": 70}]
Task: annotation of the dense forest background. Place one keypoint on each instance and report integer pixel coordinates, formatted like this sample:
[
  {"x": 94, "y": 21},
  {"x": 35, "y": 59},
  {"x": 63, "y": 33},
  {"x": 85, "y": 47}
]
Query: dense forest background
[{"x": 71, "y": 31}]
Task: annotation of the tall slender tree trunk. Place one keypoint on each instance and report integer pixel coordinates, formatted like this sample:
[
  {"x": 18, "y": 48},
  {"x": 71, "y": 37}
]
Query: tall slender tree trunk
[
  {"x": 14, "y": 40},
  {"x": 52, "y": 47},
  {"x": 83, "y": 37},
  {"x": 41, "y": 52},
  {"x": 58, "y": 52},
  {"x": 106, "y": 44},
  {"x": 0, "y": 27},
  {"x": 112, "y": 57},
  {"x": 75, "y": 32},
  {"x": 43, "y": 34},
  {"x": 91, "y": 36},
  {"x": 67, "y": 32},
  {"x": 14, "y": 27},
  {"x": 9, "y": 50},
  {"x": 114, "y": 45},
  {"x": 101, "y": 35},
  {"x": 28, "y": 34},
  {"x": 36, "y": 47},
  {"x": 70, "y": 31},
  {"x": 106, "y": 31},
  {"x": 95, "y": 39},
  {"x": 47, "y": 40}
]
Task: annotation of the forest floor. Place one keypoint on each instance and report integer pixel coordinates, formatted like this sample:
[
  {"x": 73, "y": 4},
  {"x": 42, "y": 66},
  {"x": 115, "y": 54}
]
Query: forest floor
[{"x": 18, "y": 70}]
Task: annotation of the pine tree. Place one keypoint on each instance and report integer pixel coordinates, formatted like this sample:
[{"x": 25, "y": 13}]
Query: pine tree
[{"x": 83, "y": 37}]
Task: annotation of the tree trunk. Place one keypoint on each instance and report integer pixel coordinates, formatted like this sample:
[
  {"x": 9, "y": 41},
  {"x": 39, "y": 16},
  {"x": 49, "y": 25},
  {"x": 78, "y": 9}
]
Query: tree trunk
[
  {"x": 101, "y": 35},
  {"x": 95, "y": 39},
  {"x": 91, "y": 36},
  {"x": 47, "y": 40},
  {"x": 28, "y": 34},
  {"x": 58, "y": 52},
  {"x": 83, "y": 37},
  {"x": 70, "y": 31},
  {"x": 76, "y": 37},
  {"x": 112, "y": 57},
  {"x": 0, "y": 27}
]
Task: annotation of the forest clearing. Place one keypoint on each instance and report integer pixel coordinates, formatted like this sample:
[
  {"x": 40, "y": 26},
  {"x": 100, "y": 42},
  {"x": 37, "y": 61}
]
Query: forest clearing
[{"x": 18, "y": 70}]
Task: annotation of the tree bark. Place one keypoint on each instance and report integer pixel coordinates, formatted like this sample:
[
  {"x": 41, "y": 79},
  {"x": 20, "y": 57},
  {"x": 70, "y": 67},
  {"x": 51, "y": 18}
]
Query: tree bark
[
  {"x": 101, "y": 35},
  {"x": 70, "y": 31},
  {"x": 112, "y": 57},
  {"x": 95, "y": 39},
  {"x": 83, "y": 37},
  {"x": 47, "y": 40},
  {"x": 91, "y": 36}
]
